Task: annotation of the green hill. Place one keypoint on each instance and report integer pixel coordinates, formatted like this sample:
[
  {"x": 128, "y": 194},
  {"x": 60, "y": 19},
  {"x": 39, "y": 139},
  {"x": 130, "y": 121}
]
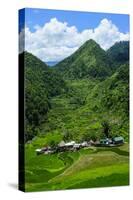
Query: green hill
[
  {"x": 90, "y": 60},
  {"x": 70, "y": 102},
  {"x": 118, "y": 54},
  {"x": 78, "y": 114},
  {"x": 41, "y": 84}
]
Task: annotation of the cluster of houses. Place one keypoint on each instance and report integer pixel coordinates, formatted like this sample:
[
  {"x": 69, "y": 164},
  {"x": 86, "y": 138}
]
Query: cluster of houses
[{"x": 73, "y": 146}]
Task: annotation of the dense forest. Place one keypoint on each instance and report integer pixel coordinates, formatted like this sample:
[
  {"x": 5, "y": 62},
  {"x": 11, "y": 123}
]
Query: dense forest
[
  {"x": 71, "y": 99},
  {"x": 41, "y": 84},
  {"x": 88, "y": 61},
  {"x": 83, "y": 98}
]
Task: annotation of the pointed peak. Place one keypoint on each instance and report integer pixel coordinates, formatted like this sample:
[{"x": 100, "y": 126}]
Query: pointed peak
[
  {"x": 91, "y": 44},
  {"x": 91, "y": 41}
]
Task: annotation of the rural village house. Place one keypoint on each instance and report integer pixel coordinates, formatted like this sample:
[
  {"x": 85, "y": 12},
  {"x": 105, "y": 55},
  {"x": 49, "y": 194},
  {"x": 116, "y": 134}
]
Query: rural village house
[{"x": 72, "y": 145}]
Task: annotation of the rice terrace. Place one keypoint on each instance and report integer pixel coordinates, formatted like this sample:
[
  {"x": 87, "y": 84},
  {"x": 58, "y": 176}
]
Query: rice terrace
[{"x": 77, "y": 109}]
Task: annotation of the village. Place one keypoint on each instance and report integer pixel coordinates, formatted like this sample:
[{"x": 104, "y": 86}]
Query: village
[{"x": 73, "y": 146}]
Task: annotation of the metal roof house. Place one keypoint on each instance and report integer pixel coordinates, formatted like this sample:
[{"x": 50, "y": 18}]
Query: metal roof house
[
  {"x": 38, "y": 151},
  {"x": 70, "y": 144},
  {"x": 77, "y": 146},
  {"x": 61, "y": 144},
  {"x": 84, "y": 144},
  {"x": 118, "y": 140},
  {"x": 105, "y": 141}
]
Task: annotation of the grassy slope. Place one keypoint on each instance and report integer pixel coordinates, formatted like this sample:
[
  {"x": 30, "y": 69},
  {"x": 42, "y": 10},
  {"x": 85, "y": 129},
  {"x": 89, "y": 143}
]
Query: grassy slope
[
  {"x": 86, "y": 168},
  {"x": 70, "y": 114}
]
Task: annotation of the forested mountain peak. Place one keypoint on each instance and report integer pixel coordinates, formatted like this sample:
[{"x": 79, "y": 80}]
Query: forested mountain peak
[
  {"x": 33, "y": 61},
  {"x": 90, "y": 60},
  {"x": 90, "y": 44},
  {"x": 90, "y": 63},
  {"x": 40, "y": 84},
  {"x": 119, "y": 53}
]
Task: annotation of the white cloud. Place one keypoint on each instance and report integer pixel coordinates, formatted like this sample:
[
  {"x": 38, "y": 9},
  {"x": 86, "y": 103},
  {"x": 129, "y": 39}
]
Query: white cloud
[{"x": 56, "y": 40}]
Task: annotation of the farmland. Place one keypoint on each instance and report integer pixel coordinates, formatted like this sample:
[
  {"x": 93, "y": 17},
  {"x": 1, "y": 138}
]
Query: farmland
[
  {"x": 72, "y": 101},
  {"x": 92, "y": 167}
]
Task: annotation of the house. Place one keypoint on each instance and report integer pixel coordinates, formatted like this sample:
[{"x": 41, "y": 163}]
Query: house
[
  {"x": 84, "y": 144},
  {"x": 49, "y": 152},
  {"x": 38, "y": 151},
  {"x": 104, "y": 142},
  {"x": 118, "y": 140},
  {"x": 91, "y": 142},
  {"x": 76, "y": 146},
  {"x": 61, "y": 146},
  {"x": 70, "y": 144},
  {"x": 44, "y": 149}
]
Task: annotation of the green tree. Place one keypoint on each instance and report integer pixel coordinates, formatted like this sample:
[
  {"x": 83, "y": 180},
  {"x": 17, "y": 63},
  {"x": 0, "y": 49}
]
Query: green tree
[
  {"x": 106, "y": 128},
  {"x": 67, "y": 136},
  {"x": 53, "y": 144}
]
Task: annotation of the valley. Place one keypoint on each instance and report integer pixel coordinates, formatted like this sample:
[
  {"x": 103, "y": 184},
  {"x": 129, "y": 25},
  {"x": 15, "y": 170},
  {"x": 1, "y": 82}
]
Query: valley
[{"x": 70, "y": 101}]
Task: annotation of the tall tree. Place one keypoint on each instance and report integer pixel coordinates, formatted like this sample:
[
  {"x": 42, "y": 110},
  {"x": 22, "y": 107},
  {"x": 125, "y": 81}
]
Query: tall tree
[{"x": 106, "y": 128}]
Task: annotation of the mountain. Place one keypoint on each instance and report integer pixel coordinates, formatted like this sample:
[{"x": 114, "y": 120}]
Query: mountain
[
  {"x": 41, "y": 84},
  {"x": 78, "y": 94},
  {"x": 118, "y": 54},
  {"x": 77, "y": 100},
  {"x": 113, "y": 93},
  {"x": 90, "y": 60}
]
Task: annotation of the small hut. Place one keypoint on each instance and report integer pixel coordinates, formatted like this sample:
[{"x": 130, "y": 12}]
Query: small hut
[
  {"x": 38, "y": 151},
  {"x": 61, "y": 146},
  {"x": 118, "y": 140},
  {"x": 76, "y": 146},
  {"x": 70, "y": 145},
  {"x": 91, "y": 142},
  {"x": 85, "y": 144}
]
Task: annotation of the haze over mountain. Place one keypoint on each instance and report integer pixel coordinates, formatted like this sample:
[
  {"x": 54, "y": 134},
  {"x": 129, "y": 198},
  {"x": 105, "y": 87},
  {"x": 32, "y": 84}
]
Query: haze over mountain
[{"x": 51, "y": 64}]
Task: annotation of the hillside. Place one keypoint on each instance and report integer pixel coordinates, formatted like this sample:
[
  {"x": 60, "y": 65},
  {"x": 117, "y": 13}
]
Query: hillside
[
  {"x": 118, "y": 54},
  {"x": 50, "y": 99},
  {"x": 115, "y": 91},
  {"x": 86, "y": 168},
  {"x": 41, "y": 83},
  {"x": 70, "y": 101},
  {"x": 90, "y": 60},
  {"x": 79, "y": 113}
]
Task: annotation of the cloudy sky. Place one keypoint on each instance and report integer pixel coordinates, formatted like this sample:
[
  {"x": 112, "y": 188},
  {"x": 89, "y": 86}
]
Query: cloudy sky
[{"x": 53, "y": 35}]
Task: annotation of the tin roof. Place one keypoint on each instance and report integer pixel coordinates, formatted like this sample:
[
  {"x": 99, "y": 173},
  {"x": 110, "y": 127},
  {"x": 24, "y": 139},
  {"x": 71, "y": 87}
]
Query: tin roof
[{"x": 118, "y": 138}]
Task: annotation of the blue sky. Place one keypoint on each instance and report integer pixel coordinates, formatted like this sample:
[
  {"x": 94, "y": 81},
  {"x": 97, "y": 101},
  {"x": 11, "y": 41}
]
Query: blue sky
[
  {"x": 53, "y": 35},
  {"x": 81, "y": 20}
]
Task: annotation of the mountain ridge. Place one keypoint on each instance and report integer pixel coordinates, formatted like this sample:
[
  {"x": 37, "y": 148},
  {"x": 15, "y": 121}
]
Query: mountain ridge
[
  {"x": 101, "y": 93},
  {"x": 89, "y": 60}
]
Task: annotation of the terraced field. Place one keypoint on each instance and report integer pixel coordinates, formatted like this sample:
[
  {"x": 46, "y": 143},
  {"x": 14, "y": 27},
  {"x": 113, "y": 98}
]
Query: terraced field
[
  {"x": 92, "y": 167},
  {"x": 84, "y": 97}
]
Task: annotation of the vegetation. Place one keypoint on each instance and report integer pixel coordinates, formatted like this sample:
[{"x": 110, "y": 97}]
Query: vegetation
[
  {"x": 88, "y": 61},
  {"x": 80, "y": 98},
  {"x": 81, "y": 169},
  {"x": 41, "y": 83},
  {"x": 106, "y": 129},
  {"x": 118, "y": 54}
]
